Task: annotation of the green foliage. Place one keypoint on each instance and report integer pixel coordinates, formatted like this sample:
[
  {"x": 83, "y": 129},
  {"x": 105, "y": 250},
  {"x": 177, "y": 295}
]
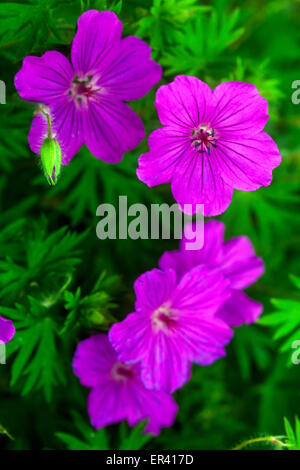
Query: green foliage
[
  {"x": 293, "y": 437},
  {"x": 25, "y": 26},
  {"x": 286, "y": 320},
  {"x": 42, "y": 261},
  {"x": 37, "y": 358},
  {"x": 98, "y": 440}
]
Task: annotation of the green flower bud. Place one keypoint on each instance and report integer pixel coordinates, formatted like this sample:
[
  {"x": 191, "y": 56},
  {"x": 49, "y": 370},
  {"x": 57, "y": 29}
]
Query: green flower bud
[{"x": 51, "y": 159}]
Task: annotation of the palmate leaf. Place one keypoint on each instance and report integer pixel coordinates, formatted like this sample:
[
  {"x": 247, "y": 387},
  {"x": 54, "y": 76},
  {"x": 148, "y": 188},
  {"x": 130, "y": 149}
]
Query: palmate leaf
[
  {"x": 87, "y": 182},
  {"x": 37, "y": 359},
  {"x": 286, "y": 320},
  {"x": 293, "y": 437},
  {"x": 38, "y": 263},
  {"x": 252, "y": 348},
  {"x": 28, "y": 25},
  {"x": 94, "y": 309},
  {"x": 166, "y": 18},
  {"x": 129, "y": 439}
]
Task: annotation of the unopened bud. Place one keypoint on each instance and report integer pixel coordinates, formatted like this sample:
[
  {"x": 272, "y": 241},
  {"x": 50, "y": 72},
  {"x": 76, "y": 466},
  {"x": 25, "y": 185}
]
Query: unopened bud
[{"x": 51, "y": 159}]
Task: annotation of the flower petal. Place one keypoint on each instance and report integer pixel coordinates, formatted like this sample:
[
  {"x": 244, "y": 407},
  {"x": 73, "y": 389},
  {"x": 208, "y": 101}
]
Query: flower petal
[
  {"x": 212, "y": 251},
  {"x": 93, "y": 360},
  {"x": 159, "y": 406},
  {"x": 195, "y": 334},
  {"x": 240, "y": 309},
  {"x": 239, "y": 110},
  {"x": 95, "y": 41},
  {"x": 197, "y": 181},
  {"x": 153, "y": 288},
  {"x": 240, "y": 265},
  {"x": 111, "y": 128},
  {"x": 164, "y": 365},
  {"x": 44, "y": 79},
  {"x": 247, "y": 163},
  {"x": 7, "y": 330},
  {"x": 131, "y": 73},
  {"x": 185, "y": 103},
  {"x": 113, "y": 402},
  {"x": 210, "y": 254}
]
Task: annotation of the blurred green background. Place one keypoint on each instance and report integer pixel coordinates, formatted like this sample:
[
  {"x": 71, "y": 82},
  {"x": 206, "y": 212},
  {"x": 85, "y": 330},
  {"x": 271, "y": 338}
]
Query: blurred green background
[{"x": 60, "y": 284}]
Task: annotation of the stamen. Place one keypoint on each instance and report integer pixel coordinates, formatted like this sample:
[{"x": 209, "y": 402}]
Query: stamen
[
  {"x": 203, "y": 138},
  {"x": 163, "y": 318},
  {"x": 84, "y": 89}
]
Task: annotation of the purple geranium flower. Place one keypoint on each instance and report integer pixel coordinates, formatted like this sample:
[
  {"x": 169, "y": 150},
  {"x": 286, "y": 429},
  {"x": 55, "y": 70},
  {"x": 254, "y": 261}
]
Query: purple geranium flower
[
  {"x": 117, "y": 391},
  {"x": 211, "y": 143},
  {"x": 174, "y": 324},
  {"x": 86, "y": 96},
  {"x": 7, "y": 330},
  {"x": 235, "y": 258}
]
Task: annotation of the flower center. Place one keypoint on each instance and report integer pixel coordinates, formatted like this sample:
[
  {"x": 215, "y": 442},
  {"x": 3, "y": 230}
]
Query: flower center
[
  {"x": 203, "y": 138},
  {"x": 122, "y": 372},
  {"x": 163, "y": 319},
  {"x": 84, "y": 89}
]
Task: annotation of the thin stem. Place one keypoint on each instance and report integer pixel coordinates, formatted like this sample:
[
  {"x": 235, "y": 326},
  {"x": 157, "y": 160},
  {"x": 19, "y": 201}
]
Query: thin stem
[
  {"x": 49, "y": 302},
  {"x": 48, "y": 123}
]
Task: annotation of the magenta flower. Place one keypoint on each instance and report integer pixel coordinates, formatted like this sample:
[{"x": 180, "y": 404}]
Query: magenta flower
[
  {"x": 7, "y": 330},
  {"x": 86, "y": 96},
  {"x": 174, "y": 324},
  {"x": 117, "y": 391},
  {"x": 235, "y": 258},
  {"x": 211, "y": 143}
]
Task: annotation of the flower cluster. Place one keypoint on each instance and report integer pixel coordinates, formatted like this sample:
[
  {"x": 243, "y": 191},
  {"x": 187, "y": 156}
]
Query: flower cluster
[
  {"x": 211, "y": 142},
  {"x": 184, "y": 312},
  {"x": 85, "y": 98}
]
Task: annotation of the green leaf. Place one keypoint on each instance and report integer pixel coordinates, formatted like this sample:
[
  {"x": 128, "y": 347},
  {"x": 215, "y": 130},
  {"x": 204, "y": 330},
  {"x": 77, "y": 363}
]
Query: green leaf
[
  {"x": 293, "y": 437},
  {"x": 37, "y": 360}
]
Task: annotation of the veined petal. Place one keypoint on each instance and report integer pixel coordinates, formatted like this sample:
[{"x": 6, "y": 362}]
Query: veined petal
[
  {"x": 185, "y": 103},
  {"x": 95, "y": 41},
  {"x": 202, "y": 291},
  {"x": 113, "y": 402},
  {"x": 240, "y": 309},
  {"x": 247, "y": 163},
  {"x": 167, "y": 339},
  {"x": 239, "y": 110},
  {"x": 157, "y": 406},
  {"x": 167, "y": 148},
  {"x": 44, "y": 79},
  {"x": 153, "y": 288},
  {"x": 240, "y": 265},
  {"x": 111, "y": 128},
  {"x": 212, "y": 251},
  {"x": 93, "y": 360},
  {"x": 107, "y": 404},
  {"x": 131, "y": 72},
  {"x": 197, "y": 181}
]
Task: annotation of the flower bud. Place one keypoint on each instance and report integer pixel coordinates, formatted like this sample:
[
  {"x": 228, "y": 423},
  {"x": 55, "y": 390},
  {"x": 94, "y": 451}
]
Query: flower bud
[{"x": 51, "y": 159}]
